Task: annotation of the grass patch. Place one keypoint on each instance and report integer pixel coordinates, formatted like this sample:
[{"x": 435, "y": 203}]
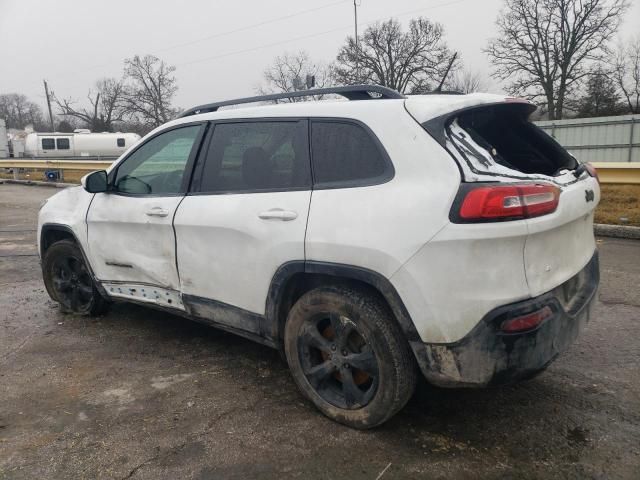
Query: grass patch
[{"x": 619, "y": 201}]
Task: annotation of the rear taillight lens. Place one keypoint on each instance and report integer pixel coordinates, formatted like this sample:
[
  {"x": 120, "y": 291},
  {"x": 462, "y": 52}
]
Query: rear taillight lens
[
  {"x": 592, "y": 171},
  {"x": 487, "y": 203},
  {"x": 526, "y": 322}
]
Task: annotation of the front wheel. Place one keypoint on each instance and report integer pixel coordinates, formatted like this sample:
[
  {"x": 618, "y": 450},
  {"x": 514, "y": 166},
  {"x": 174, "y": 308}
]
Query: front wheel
[
  {"x": 348, "y": 356},
  {"x": 68, "y": 281}
]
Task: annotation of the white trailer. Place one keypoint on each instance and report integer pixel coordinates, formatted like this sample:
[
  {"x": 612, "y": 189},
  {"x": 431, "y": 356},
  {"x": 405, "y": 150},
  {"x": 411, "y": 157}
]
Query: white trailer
[{"x": 80, "y": 143}]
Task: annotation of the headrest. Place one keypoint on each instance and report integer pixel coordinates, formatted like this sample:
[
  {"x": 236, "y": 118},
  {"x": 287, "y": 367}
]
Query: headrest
[{"x": 257, "y": 167}]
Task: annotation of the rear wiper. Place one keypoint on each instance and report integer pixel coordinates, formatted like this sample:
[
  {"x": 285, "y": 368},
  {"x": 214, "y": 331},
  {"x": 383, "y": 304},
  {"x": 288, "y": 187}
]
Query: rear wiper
[{"x": 580, "y": 169}]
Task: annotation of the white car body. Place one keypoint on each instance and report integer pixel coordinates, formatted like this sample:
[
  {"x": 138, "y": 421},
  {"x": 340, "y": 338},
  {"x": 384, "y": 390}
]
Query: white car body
[{"x": 229, "y": 248}]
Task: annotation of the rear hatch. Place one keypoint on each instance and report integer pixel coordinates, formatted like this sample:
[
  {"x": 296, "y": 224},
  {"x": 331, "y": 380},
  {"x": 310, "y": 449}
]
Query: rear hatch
[{"x": 494, "y": 144}]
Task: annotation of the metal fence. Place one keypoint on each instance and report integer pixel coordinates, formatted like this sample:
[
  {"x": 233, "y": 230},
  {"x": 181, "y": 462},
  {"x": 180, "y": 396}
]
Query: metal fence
[{"x": 601, "y": 139}]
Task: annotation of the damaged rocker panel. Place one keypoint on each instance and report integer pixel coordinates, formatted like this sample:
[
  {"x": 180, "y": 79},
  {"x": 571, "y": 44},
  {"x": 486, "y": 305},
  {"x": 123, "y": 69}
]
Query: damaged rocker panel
[{"x": 144, "y": 293}]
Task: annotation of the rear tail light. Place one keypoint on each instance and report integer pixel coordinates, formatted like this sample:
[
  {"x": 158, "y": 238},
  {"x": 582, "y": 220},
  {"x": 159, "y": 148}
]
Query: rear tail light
[
  {"x": 592, "y": 171},
  {"x": 494, "y": 202},
  {"x": 526, "y": 322}
]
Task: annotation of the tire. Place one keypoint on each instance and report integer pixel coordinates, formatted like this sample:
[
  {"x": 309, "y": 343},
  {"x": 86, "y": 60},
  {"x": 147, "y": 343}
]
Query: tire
[
  {"x": 348, "y": 356},
  {"x": 69, "y": 282}
]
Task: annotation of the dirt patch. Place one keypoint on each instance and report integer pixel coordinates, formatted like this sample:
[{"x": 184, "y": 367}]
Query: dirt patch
[{"x": 617, "y": 202}]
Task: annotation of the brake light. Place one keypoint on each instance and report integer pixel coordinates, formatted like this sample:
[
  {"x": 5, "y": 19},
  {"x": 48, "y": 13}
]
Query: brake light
[
  {"x": 526, "y": 322},
  {"x": 509, "y": 202},
  {"x": 592, "y": 171}
]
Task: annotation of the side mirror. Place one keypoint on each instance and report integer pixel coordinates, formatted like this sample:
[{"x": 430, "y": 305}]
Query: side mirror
[{"x": 95, "y": 182}]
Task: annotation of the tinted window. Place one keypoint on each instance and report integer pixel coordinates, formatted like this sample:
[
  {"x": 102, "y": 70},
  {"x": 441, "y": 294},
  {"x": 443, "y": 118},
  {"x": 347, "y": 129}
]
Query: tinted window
[
  {"x": 345, "y": 152},
  {"x": 121, "y": 142},
  {"x": 158, "y": 166},
  {"x": 62, "y": 143},
  {"x": 48, "y": 144},
  {"x": 257, "y": 156}
]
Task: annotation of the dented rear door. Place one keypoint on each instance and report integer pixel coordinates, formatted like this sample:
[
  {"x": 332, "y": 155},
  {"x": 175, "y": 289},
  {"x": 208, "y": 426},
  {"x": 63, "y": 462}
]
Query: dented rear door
[{"x": 561, "y": 244}]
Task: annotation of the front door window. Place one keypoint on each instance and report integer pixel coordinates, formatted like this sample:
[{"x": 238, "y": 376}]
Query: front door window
[{"x": 158, "y": 166}]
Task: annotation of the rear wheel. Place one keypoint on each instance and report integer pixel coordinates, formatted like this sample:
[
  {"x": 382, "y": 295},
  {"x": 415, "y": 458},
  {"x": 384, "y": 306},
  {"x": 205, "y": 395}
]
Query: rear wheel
[
  {"x": 348, "y": 356},
  {"x": 68, "y": 280}
]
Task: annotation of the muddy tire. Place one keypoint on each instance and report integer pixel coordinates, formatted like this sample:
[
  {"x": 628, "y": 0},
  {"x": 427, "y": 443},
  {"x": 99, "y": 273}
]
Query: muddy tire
[
  {"x": 348, "y": 355},
  {"x": 68, "y": 280}
]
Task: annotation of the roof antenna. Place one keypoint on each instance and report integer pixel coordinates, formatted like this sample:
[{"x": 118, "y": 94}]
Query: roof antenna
[{"x": 453, "y": 59}]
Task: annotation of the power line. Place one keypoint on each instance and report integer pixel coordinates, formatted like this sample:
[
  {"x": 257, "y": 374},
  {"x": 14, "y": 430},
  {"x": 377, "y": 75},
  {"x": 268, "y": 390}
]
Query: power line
[
  {"x": 249, "y": 27},
  {"x": 217, "y": 35},
  {"x": 317, "y": 34},
  {"x": 289, "y": 40}
]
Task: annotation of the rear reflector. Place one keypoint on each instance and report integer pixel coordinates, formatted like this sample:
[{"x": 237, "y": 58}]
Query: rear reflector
[
  {"x": 526, "y": 322},
  {"x": 509, "y": 202}
]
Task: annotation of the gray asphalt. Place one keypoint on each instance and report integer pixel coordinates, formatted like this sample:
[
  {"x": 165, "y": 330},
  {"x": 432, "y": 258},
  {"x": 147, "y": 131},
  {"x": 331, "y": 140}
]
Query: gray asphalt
[{"x": 142, "y": 394}]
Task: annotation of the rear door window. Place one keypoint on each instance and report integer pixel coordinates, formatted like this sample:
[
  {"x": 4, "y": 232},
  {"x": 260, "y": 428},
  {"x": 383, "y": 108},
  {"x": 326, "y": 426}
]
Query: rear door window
[
  {"x": 257, "y": 156},
  {"x": 346, "y": 154}
]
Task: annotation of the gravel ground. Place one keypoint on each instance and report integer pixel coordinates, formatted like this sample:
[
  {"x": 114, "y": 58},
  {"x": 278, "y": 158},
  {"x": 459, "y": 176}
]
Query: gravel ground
[{"x": 142, "y": 394}]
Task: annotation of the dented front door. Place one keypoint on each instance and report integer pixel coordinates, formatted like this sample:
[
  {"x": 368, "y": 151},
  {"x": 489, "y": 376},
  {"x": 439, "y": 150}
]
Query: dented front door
[
  {"x": 131, "y": 239},
  {"x": 130, "y": 228}
]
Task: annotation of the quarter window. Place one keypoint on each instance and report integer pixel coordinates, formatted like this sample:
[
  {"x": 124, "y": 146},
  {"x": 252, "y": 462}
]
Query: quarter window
[
  {"x": 48, "y": 144},
  {"x": 346, "y": 153},
  {"x": 254, "y": 156},
  {"x": 158, "y": 166},
  {"x": 62, "y": 143},
  {"x": 120, "y": 142}
]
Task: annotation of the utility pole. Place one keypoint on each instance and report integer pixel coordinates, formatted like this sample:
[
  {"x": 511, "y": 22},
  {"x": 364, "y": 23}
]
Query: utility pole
[
  {"x": 46, "y": 92},
  {"x": 355, "y": 20},
  {"x": 355, "y": 27}
]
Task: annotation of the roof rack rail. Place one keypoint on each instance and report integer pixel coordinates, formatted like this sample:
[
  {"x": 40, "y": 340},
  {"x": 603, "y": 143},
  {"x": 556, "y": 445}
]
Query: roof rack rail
[
  {"x": 444, "y": 92},
  {"x": 351, "y": 92}
]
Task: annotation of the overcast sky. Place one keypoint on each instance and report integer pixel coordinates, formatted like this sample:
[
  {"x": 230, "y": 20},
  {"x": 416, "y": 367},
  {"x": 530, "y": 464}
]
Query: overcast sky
[{"x": 216, "y": 46}]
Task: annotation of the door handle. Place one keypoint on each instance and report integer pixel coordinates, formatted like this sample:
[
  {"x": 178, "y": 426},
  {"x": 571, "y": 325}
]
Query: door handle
[
  {"x": 278, "y": 214},
  {"x": 157, "y": 212}
]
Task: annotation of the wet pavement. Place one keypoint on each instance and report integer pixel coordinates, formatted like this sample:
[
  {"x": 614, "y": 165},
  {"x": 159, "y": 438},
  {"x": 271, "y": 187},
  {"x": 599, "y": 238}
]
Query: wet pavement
[{"x": 142, "y": 394}]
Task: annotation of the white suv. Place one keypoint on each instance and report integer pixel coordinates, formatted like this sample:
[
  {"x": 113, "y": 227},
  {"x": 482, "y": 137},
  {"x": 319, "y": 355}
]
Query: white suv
[{"x": 365, "y": 239}]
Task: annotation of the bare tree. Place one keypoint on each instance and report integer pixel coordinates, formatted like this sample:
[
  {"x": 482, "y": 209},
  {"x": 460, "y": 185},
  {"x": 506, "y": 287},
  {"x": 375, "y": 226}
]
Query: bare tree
[
  {"x": 466, "y": 81},
  {"x": 150, "y": 90},
  {"x": 626, "y": 74},
  {"x": 411, "y": 62},
  {"x": 545, "y": 47},
  {"x": 289, "y": 73},
  {"x": 19, "y": 111},
  {"x": 107, "y": 106}
]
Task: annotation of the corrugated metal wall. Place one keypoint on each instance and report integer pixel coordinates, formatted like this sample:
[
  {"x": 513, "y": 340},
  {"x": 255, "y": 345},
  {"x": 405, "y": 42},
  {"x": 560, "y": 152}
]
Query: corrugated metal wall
[{"x": 602, "y": 139}]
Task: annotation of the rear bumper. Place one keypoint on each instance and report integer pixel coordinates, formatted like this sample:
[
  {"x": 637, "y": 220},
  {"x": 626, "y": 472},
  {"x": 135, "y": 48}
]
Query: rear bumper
[{"x": 486, "y": 356}]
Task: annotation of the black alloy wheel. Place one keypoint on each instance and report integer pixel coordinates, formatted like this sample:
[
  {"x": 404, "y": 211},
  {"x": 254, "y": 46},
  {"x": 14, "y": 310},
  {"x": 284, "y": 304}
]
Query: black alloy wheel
[
  {"x": 68, "y": 280},
  {"x": 72, "y": 283},
  {"x": 348, "y": 355},
  {"x": 337, "y": 361}
]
